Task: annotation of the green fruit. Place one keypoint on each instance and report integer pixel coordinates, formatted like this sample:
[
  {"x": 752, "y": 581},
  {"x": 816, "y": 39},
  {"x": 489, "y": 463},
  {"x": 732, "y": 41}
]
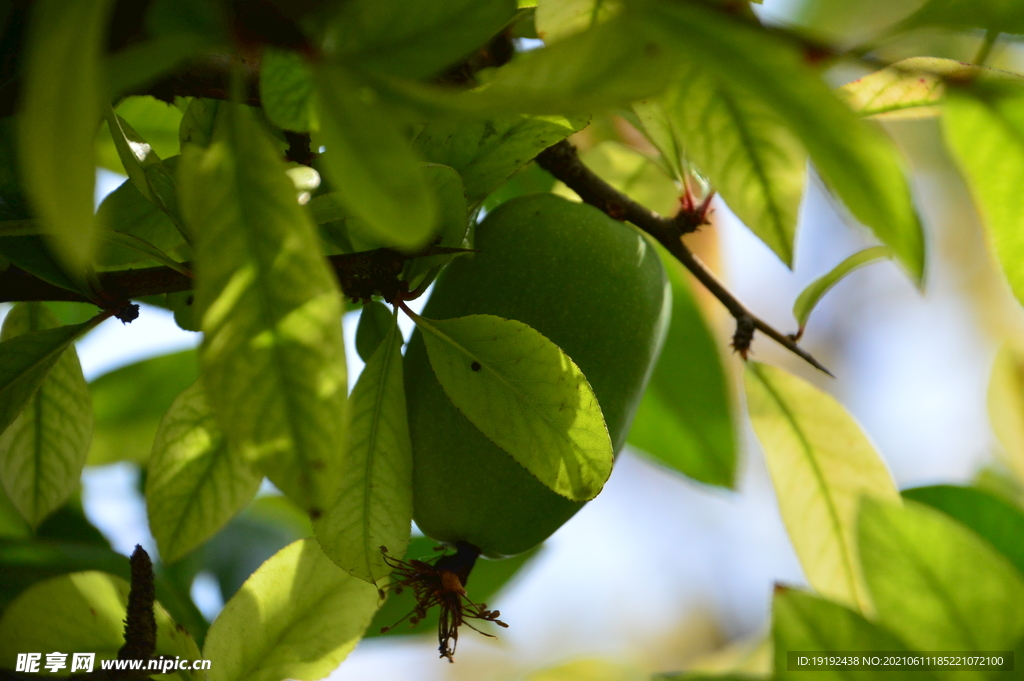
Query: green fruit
[{"x": 592, "y": 285}]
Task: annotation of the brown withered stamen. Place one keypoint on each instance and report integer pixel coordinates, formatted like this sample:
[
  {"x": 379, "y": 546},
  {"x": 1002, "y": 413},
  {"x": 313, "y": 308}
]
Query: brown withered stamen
[{"x": 441, "y": 584}]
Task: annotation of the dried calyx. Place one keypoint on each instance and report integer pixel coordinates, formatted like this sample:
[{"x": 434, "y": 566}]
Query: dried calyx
[{"x": 442, "y": 584}]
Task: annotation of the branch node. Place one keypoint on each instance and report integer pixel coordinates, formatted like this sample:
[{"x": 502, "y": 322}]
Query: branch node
[{"x": 744, "y": 335}]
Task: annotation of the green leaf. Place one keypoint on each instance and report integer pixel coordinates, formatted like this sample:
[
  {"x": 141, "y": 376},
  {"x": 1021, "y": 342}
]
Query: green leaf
[
  {"x": 632, "y": 173},
  {"x": 286, "y": 90},
  {"x": 745, "y": 149},
  {"x": 526, "y": 396},
  {"x": 60, "y": 103},
  {"x": 657, "y": 125},
  {"x": 935, "y": 583},
  {"x": 487, "y": 152},
  {"x": 487, "y": 579},
  {"x": 1006, "y": 409},
  {"x": 910, "y": 88},
  {"x": 821, "y": 464},
  {"x": 198, "y": 121},
  {"x": 374, "y": 506},
  {"x": 985, "y": 130},
  {"x": 145, "y": 249},
  {"x": 804, "y": 623},
  {"x": 25, "y": 361},
  {"x": 83, "y": 611},
  {"x": 194, "y": 482},
  {"x": 454, "y": 229},
  {"x": 141, "y": 64},
  {"x": 274, "y": 627},
  {"x": 126, "y": 211},
  {"x": 129, "y": 403},
  {"x": 558, "y": 19},
  {"x": 856, "y": 160},
  {"x": 816, "y": 290},
  {"x": 685, "y": 418},
  {"x": 27, "y": 561},
  {"x": 273, "y": 356},
  {"x": 1001, "y": 16},
  {"x": 31, "y": 254},
  {"x": 43, "y": 451},
  {"x": 375, "y": 322},
  {"x": 370, "y": 165},
  {"x": 993, "y": 519},
  {"x": 415, "y": 38}
]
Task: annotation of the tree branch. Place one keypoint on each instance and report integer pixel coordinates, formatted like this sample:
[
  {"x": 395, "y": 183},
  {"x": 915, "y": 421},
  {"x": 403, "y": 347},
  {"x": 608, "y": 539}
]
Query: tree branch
[{"x": 562, "y": 161}]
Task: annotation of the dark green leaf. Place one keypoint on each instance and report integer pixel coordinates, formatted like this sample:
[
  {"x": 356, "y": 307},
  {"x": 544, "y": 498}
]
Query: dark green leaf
[
  {"x": 130, "y": 402},
  {"x": 685, "y": 418},
  {"x": 194, "y": 481},
  {"x": 805, "y": 623},
  {"x": 1001, "y": 16},
  {"x": 61, "y": 101},
  {"x": 43, "y": 451},
  {"x": 415, "y": 38},
  {"x": 992, "y": 518},
  {"x": 375, "y": 321},
  {"x": 453, "y": 225},
  {"x": 816, "y": 290},
  {"x": 31, "y": 254},
  {"x": 127, "y": 211},
  {"x": 985, "y": 130},
  {"x": 286, "y": 91},
  {"x": 273, "y": 356},
  {"x": 857, "y": 161},
  {"x": 374, "y": 506},
  {"x": 525, "y": 395},
  {"x": 370, "y": 165},
  {"x": 198, "y": 121},
  {"x": 487, "y": 152},
  {"x": 142, "y": 63},
  {"x": 935, "y": 583}
]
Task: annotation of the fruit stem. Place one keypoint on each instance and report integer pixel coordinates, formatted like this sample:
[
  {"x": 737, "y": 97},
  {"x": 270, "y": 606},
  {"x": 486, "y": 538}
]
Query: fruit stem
[{"x": 461, "y": 562}]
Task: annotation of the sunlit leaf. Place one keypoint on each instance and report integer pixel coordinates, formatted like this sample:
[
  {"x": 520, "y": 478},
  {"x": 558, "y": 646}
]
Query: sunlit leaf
[
  {"x": 525, "y": 395},
  {"x": 984, "y": 128},
  {"x": 370, "y": 165},
  {"x": 1006, "y": 408},
  {"x": 453, "y": 229},
  {"x": 415, "y": 38},
  {"x": 273, "y": 356},
  {"x": 43, "y": 451},
  {"x": 194, "y": 482},
  {"x": 286, "y": 90},
  {"x": 374, "y": 506},
  {"x": 856, "y": 160},
  {"x": 25, "y": 361},
  {"x": 487, "y": 152},
  {"x": 657, "y": 125},
  {"x": 745, "y": 149},
  {"x": 558, "y": 19},
  {"x": 993, "y": 519},
  {"x": 130, "y": 402},
  {"x": 83, "y": 612},
  {"x": 816, "y": 290},
  {"x": 274, "y": 627},
  {"x": 935, "y": 583},
  {"x": 821, "y": 464},
  {"x": 632, "y": 173},
  {"x": 685, "y": 418},
  {"x": 61, "y": 96},
  {"x": 801, "y": 622}
]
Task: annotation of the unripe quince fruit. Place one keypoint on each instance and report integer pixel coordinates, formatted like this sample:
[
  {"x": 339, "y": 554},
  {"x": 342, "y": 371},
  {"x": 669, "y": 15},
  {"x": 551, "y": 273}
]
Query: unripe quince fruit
[{"x": 596, "y": 288}]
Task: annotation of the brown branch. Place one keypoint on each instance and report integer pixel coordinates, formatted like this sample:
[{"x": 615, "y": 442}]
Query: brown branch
[
  {"x": 562, "y": 161},
  {"x": 359, "y": 274}
]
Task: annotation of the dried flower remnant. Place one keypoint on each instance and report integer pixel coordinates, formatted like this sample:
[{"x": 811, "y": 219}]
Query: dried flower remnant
[{"x": 441, "y": 584}]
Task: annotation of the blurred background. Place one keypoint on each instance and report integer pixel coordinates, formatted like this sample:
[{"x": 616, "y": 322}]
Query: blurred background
[{"x": 660, "y": 573}]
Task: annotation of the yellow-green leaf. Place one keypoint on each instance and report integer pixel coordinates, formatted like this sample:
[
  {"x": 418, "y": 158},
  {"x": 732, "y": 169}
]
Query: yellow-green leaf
[
  {"x": 273, "y": 356},
  {"x": 821, "y": 464},
  {"x": 525, "y": 395},
  {"x": 84, "y": 612},
  {"x": 816, "y": 290},
  {"x": 42, "y": 453},
  {"x": 374, "y": 507},
  {"x": 1006, "y": 408},
  {"x": 61, "y": 101},
  {"x": 194, "y": 482},
  {"x": 297, "y": 617}
]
